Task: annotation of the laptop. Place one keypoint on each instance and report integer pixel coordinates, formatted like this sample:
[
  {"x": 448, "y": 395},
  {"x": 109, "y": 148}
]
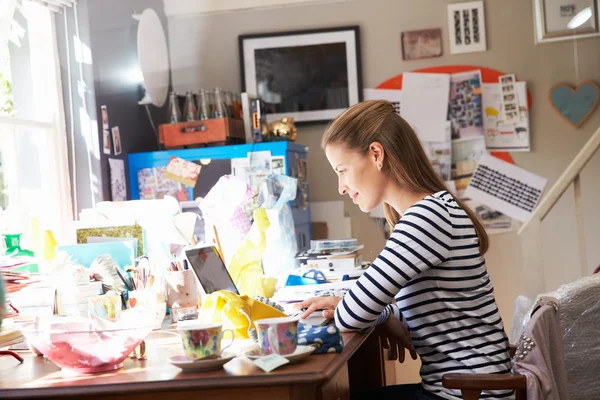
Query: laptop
[
  {"x": 210, "y": 269},
  {"x": 214, "y": 276}
]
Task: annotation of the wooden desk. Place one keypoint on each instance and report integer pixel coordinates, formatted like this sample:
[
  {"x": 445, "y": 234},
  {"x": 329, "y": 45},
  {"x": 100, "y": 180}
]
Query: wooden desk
[{"x": 325, "y": 376}]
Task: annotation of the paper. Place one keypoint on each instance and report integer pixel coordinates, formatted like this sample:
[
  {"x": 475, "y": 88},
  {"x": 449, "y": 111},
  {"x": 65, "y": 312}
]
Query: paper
[
  {"x": 465, "y": 154},
  {"x": 270, "y": 362},
  {"x": 260, "y": 162},
  {"x": 465, "y": 108},
  {"x": 501, "y": 135},
  {"x": 122, "y": 252},
  {"x": 118, "y": 186},
  {"x": 425, "y": 104},
  {"x": 493, "y": 221},
  {"x": 440, "y": 154},
  {"x": 116, "y": 135},
  {"x": 291, "y": 294},
  {"x": 278, "y": 165},
  {"x": 394, "y": 96},
  {"x": 183, "y": 171},
  {"x": 106, "y": 141},
  {"x": 507, "y": 188},
  {"x": 510, "y": 103}
]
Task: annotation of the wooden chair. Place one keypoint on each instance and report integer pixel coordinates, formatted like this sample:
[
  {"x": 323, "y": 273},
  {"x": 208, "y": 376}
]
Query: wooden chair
[{"x": 471, "y": 385}]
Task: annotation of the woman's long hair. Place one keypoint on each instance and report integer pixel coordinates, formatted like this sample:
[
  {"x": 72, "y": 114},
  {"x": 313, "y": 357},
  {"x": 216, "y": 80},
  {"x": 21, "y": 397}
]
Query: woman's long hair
[{"x": 376, "y": 121}]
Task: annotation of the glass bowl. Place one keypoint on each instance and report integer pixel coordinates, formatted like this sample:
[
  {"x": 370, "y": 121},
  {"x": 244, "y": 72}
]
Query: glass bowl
[{"x": 86, "y": 345}]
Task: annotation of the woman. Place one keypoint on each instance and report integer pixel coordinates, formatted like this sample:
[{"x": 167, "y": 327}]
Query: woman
[{"x": 428, "y": 290}]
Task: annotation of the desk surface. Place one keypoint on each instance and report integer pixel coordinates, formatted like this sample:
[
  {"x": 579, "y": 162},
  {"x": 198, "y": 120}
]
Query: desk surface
[{"x": 39, "y": 377}]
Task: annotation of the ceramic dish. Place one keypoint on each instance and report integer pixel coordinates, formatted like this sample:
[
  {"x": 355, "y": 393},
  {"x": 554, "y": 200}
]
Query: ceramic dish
[
  {"x": 300, "y": 354},
  {"x": 186, "y": 365}
]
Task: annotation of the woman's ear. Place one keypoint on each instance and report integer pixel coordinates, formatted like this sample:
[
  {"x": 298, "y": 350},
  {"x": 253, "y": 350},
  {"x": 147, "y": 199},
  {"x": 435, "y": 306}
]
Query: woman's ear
[{"x": 377, "y": 154}]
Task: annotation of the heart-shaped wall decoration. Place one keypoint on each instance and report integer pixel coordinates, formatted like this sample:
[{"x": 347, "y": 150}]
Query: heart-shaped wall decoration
[{"x": 575, "y": 105}]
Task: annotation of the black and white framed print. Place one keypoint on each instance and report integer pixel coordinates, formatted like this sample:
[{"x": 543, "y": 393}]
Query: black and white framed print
[
  {"x": 566, "y": 19},
  {"x": 466, "y": 27},
  {"x": 310, "y": 75}
]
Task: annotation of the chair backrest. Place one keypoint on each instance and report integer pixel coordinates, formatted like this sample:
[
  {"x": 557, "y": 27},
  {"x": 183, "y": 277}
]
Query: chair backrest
[{"x": 580, "y": 318}]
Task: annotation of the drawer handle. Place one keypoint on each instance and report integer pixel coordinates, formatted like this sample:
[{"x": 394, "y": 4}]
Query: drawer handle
[{"x": 192, "y": 129}]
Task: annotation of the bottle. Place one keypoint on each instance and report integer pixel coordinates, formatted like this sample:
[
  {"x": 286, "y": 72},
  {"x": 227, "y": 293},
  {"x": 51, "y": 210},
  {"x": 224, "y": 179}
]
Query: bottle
[
  {"x": 220, "y": 107},
  {"x": 174, "y": 110},
  {"x": 229, "y": 103},
  {"x": 204, "y": 111},
  {"x": 237, "y": 105},
  {"x": 190, "y": 107}
]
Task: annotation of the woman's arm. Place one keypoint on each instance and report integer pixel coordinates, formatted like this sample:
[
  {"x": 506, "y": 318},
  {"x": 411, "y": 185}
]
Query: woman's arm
[{"x": 421, "y": 240}]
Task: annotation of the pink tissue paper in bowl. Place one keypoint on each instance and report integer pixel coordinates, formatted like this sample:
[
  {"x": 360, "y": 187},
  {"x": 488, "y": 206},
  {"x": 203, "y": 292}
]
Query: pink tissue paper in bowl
[{"x": 79, "y": 345}]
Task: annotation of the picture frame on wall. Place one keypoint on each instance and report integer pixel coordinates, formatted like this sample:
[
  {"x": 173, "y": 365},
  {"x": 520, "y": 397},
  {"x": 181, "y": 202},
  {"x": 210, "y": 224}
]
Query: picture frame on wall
[
  {"x": 310, "y": 75},
  {"x": 557, "y": 20}
]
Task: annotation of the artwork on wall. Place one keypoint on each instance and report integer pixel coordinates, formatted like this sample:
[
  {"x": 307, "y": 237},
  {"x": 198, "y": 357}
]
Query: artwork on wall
[
  {"x": 426, "y": 43},
  {"x": 565, "y": 19},
  {"x": 466, "y": 108},
  {"x": 575, "y": 105},
  {"x": 466, "y": 27},
  {"x": 311, "y": 75}
]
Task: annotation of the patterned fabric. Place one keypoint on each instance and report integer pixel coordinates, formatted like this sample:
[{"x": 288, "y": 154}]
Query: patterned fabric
[{"x": 327, "y": 338}]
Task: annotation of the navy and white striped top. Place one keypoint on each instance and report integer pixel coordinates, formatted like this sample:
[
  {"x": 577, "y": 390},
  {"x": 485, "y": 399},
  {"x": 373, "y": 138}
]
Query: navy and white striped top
[{"x": 432, "y": 267}]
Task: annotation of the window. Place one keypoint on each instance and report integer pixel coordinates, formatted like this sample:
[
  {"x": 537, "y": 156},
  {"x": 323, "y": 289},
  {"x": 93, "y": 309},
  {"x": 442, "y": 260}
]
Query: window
[{"x": 34, "y": 177}]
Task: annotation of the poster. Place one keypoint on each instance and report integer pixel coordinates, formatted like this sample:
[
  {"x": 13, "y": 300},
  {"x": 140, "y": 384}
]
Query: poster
[
  {"x": 465, "y": 109},
  {"x": 153, "y": 184},
  {"x": 505, "y": 187},
  {"x": 118, "y": 183},
  {"x": 500, "y": 134},
  {"x": 465, "y": 154}
]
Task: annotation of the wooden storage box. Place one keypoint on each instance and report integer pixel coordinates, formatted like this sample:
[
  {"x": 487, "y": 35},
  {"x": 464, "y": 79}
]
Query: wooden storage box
[{"x": 201, "y": 133}]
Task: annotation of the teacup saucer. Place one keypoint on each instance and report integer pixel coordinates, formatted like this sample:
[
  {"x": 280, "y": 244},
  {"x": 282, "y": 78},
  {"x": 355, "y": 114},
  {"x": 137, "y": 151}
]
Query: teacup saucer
[
  {"x": 301, "y": 353},
  {"x": 182, "y": 362}
]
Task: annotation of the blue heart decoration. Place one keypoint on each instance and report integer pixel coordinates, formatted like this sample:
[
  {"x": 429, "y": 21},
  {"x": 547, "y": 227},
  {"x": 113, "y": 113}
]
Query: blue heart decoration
[{"x": 575, "y": 105}]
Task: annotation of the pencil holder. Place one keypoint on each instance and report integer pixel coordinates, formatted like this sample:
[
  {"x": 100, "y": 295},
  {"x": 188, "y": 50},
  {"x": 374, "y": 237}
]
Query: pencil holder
[{"x": 181, "y": 289}]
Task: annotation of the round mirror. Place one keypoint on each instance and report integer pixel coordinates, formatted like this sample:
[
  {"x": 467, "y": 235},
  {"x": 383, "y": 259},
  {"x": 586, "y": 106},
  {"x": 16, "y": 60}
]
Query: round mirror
[{"x": 153, "y": 56}]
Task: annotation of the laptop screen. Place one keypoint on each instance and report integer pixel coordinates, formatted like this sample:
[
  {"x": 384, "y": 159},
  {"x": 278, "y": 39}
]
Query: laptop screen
[{"x": 210, "y": 269}]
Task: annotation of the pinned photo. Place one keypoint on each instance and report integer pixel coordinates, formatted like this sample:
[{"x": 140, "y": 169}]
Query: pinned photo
[
  {"x": 510, "y": 107},
  {"x": 508, "y": 89},
  {"x": 116, "y": 135},
  {"x": 106, "y": 141},
  {"x": 509, "y": 97},
  {"x": 104, "y": 112},
  {"x": 512, "y": 115}
]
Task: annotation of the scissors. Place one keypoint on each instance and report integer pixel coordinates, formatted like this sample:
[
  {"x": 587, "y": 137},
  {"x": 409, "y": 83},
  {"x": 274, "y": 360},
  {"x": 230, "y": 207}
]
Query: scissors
[{"x": 316, "y": 275}]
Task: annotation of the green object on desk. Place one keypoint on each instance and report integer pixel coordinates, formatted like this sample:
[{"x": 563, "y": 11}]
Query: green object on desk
[{"x": 12, "y": 241}]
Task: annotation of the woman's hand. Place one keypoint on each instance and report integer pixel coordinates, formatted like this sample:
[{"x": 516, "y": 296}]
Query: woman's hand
[
  {"x": 395, "y": 335},
  {"x": 325, "y": 303}
]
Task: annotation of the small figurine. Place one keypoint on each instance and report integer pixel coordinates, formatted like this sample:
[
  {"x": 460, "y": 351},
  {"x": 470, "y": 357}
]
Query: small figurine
[{"x": 284, "y": 129}]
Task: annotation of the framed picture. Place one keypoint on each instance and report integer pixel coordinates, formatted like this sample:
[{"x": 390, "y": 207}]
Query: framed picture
[
  {"x": 566, "y": 19},
  {"x": 425, "y": 43},
  {"x": 466, "y": 27},
  {"x": 310, "y": 75}
]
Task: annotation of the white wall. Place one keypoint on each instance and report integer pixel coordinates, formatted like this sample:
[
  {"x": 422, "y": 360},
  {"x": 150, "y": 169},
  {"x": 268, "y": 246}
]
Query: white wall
[{"x": 204, "y": 53}]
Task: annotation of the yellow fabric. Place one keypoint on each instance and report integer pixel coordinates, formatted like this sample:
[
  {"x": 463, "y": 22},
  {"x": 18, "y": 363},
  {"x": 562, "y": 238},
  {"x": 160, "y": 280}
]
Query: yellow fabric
[
  {"x": 245, "y": 267},
  {"x": 231, "y": 310}
]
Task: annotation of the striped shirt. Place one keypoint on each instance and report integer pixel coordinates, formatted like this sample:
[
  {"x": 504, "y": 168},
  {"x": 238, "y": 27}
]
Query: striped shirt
[{"x": 431, "y": 265}]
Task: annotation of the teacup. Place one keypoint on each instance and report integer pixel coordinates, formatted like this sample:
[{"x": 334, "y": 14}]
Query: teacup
[
  {"x": 202, "y": 340},
  {"x": 105, "y": 306},
  {"x": 277, "y": 335}
]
